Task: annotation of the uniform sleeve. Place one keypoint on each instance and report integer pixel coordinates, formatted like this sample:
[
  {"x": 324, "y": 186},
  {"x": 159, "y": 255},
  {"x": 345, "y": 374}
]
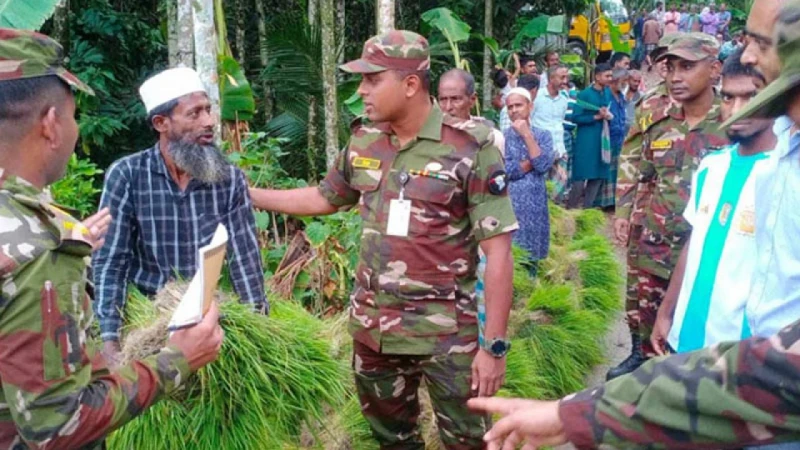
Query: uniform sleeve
[
  {"x": 111, "y": 262},
  {"x": 490, "y": 213},
  {"x": 628, "y": 174},
  {"x": 729, "y": 395},
  {"x": 336, "y": 188},
  {"x": 244, "y": 255},
  {"x": 57, "y": 397}
]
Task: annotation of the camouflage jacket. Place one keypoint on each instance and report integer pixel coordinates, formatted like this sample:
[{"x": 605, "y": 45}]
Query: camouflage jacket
[
  {"x": 656, "y": 168},
  {"x": 416, "y": 294},
  {"x": 726, "y": 396},
  {"x": 56, "y": 392}
]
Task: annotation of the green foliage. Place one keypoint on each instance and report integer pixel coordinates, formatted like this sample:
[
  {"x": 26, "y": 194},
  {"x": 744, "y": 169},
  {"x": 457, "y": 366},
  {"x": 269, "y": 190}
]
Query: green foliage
[
  {"x": 236, "y": 96},
  {"x": 617, "y": 43},
  {"x": 589, "y": 221},
  {"x": 274, "y": 375},
  {"x": 77, "y": 189},
  {"x": 539, "y": 26},
  {"x": 27, "y": 14}
]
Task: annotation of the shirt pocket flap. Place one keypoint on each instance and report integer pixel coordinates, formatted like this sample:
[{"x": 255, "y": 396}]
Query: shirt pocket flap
[{"x": 366, "y": 180}]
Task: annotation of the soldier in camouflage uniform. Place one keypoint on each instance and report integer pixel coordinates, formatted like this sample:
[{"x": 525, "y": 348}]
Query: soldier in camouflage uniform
[
  {"x": 660, "y": 155},
  {"x": 57, "y": 393},
  {"x": 429, "y": 188}
]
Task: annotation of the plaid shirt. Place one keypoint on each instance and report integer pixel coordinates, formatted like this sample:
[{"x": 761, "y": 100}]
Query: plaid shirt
[{"x": 157, "y": 230}]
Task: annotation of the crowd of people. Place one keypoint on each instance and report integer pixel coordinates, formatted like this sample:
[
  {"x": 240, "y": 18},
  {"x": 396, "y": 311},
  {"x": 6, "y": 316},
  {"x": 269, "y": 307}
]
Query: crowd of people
[{"x": 699, "y": 169}]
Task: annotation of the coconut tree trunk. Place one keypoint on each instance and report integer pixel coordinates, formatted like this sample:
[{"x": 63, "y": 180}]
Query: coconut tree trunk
[
  {"x": 205, "y": 45},
  {"x": 184, "y": 52},
  {"x": 384, "y": 10},
  {"x": 311, "y": 137},
  {"x": 340, "y": 24},
  {"x": 61, "y": 24},
  {"x": 327, "y": 21},
  {"x": 172, "y": 32},
  {"x": 241, "y": 36},
  {"x": 488, "y": 11},
  {"x": 313, "y": 13},
  {"x": 264, "y": 57}
]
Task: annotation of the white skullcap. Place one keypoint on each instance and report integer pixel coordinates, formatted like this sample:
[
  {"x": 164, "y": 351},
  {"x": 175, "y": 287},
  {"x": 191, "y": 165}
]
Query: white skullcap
[
  {"x": 169, "y": 85},
  {"x": 520, "y": 91}
]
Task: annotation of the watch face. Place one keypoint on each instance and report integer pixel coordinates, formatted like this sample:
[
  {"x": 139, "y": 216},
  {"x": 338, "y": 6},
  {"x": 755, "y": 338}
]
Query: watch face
[{"x": 498, "y": 347}]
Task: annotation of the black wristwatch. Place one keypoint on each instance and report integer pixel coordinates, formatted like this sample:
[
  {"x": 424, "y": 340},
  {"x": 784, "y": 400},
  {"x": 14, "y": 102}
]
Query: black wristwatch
[{"x": 497, "y": 347}]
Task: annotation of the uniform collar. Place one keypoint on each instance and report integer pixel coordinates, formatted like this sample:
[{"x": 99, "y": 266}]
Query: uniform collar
[
  {"x": 432, "y": 128},
  {"x": 20, "y": 187},
  {"x": 675, "y": 111}
]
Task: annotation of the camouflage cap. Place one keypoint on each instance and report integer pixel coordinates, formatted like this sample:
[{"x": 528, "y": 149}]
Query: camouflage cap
[
  {"x": 27, "y": 54},
  {"x": 393, "y": 50},
  {"x": 773, "y": 100},
  {"x": 693, "y": 46}
]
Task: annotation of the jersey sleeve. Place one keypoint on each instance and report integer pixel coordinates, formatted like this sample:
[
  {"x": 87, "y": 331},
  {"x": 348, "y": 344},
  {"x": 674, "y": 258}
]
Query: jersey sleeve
[
  {"x": 730, "y": 395},
  {"x": 628, "y": 174},
  {"x": 490, "y": 209}
]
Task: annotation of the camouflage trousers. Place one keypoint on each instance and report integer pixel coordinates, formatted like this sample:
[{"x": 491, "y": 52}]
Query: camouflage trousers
[
  {"x": 643, "y": 295},
  {"x": 388, "y": 388}
]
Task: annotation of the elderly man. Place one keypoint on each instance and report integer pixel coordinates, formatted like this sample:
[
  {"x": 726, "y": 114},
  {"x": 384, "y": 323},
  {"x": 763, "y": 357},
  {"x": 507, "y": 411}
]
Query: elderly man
[
  {"x": 529, "y": 82},
  {"x": 528, "y": 159},
  {"x": 167, "y": 202},
  {"x": 457, "y": 97}
]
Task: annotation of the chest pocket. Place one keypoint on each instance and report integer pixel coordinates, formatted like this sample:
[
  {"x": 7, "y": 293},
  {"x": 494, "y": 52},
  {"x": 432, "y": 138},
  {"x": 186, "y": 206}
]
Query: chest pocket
[{"x": 431, "y": 204}]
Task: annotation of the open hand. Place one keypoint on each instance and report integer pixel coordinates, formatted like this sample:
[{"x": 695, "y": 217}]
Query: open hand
[
  {"x": 530, "y": 423},
  {"x": 488, "y": 373},
  {"x": 97, "y": 226}
]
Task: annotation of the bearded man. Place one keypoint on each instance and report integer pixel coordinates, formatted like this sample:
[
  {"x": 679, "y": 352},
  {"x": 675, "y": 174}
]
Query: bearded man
[{"x": 166, "y": 203}]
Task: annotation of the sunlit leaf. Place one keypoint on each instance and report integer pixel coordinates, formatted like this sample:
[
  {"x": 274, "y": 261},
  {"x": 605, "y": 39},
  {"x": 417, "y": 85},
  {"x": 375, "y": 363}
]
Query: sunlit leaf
[
  {"x": 453, "y": 28},
  {"x": 236, "y": 95},
  {"x": 25, "y": 14}
]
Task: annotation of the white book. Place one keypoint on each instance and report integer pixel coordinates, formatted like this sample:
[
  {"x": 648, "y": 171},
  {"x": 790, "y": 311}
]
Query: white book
[{"x": 200, "y": 293}]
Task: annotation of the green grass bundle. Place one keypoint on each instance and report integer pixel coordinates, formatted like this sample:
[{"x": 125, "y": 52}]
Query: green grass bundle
[
  {"x": 589, "y": 222},
  {"x": 524, "y": 283},
  {"x": 597, "y": 264},
  {"x": 602, "y": 301},
  {"x": 274, "y": 374}
]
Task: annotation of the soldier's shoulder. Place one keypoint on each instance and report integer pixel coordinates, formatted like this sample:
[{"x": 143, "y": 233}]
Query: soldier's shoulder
[
  {"x": 478, "y": 130},
  {"x": 24, "y": 231},
  {"x": 361, "y": 126}
]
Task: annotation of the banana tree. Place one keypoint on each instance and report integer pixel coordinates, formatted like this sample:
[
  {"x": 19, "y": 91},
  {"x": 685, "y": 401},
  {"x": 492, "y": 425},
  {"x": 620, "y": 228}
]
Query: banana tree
[
  {"x": 452, "y": 28},
  {"x": 27, "y": 14}
]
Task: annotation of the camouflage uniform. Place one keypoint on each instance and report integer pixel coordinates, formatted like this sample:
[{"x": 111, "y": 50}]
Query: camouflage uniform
[
  {"x": 413, "y": 309},
  {"x": 661, "y": 153},
  {"x": 56, "y": 392},
  {"x": 725, "y": 396}
]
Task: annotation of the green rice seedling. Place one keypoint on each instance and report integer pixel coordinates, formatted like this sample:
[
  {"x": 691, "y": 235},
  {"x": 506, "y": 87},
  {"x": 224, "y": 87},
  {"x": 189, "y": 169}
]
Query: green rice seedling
[
  {"x": 562, "y": 224},
  {"x": 524, "y": 283},
  {"x": 601, "y": 301},
  {"x": 589, "y": 222},
  {"x": 597, "y": 264},
  {"x": 273, "y": 375},
  {"x": 555, "y": 300}
]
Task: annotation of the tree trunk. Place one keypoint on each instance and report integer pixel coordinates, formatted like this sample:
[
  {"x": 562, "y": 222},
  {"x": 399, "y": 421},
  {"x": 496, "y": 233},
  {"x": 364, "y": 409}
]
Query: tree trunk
[
  {"x": 185, "y": 40},
  {"x": 61, "y": 24},
  {"x": 340, "y": 25},
  {"x": 264, "y": 56},
  {"x": 241, "y": 37},
  {"x": 311, "y": 137},
  {"x": 172, "y": 33},
  {"x": 384, "y": 10},
  {"x": 313, "y": 7},
  {"x": 328, "y": 29},
  {"x": 487, "y": 54},
  {"x": 205, "y": 44}
]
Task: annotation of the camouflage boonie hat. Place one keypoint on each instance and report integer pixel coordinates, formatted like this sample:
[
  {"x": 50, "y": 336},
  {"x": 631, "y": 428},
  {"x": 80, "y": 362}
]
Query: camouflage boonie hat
[
  {"x": 27, "y": 54},
  {"x": 393, "y": 50},
  {"x": 773, "y": 100},
  {"x": 693, "y": 46}
]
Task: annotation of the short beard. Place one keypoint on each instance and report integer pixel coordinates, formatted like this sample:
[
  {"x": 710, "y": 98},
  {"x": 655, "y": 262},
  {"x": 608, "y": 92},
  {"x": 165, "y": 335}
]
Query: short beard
[{"x": 204, "y": 163}]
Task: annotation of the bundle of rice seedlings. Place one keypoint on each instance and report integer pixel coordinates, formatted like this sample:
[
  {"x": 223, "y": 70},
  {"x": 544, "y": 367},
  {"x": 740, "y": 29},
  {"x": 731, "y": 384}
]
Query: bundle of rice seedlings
[
  {"x": 562, "y": 224},
  {"x": 589, "y": 222},
  {"x": 597, "y": 263},
  {"x": 553, "y": 299},
  {"x": 604, "y": 302},
  {"x": 524, "y": 283},
  {"x": 273, "y": 375}
]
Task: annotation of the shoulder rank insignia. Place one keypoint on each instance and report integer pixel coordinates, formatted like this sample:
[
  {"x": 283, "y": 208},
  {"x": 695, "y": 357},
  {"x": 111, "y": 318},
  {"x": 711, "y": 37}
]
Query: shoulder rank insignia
[{"x": 366, "y": 163}]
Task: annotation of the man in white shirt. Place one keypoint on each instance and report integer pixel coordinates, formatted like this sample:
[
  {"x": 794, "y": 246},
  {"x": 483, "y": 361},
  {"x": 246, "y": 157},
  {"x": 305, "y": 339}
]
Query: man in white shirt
[
  {"x": 552, "y": 103},
  {"x": 706, "y": 299}
]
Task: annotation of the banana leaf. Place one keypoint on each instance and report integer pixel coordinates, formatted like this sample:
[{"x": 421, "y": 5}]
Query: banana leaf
[
  {"x": 25, "y": 14},
  {"x": 617, "y": 43},
  {"x": 450, "y": 25},
  {"x": 538, "y": 26},
  {"x": 235, "y": 93}
]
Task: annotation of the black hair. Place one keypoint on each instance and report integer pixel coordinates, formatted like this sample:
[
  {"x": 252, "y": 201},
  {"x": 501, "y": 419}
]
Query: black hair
[
  {"x": 602, "y": 67},
  {"x": 164, "y": 109},
  {"x": 733, "y": 67},
  {"x": 525, "y": 58},
  {"x": 463, "y": 75},
  {"x": 28, "y": 99},
  {"x": 423, "y": 75},
  {"x": 617, "y": 57},
  {"x": 500, "y": 78},
  {"x": 528, "y": 81}
]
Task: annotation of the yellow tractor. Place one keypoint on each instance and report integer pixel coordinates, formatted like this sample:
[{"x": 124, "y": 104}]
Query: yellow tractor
[{"x": 591, "y": 19}]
